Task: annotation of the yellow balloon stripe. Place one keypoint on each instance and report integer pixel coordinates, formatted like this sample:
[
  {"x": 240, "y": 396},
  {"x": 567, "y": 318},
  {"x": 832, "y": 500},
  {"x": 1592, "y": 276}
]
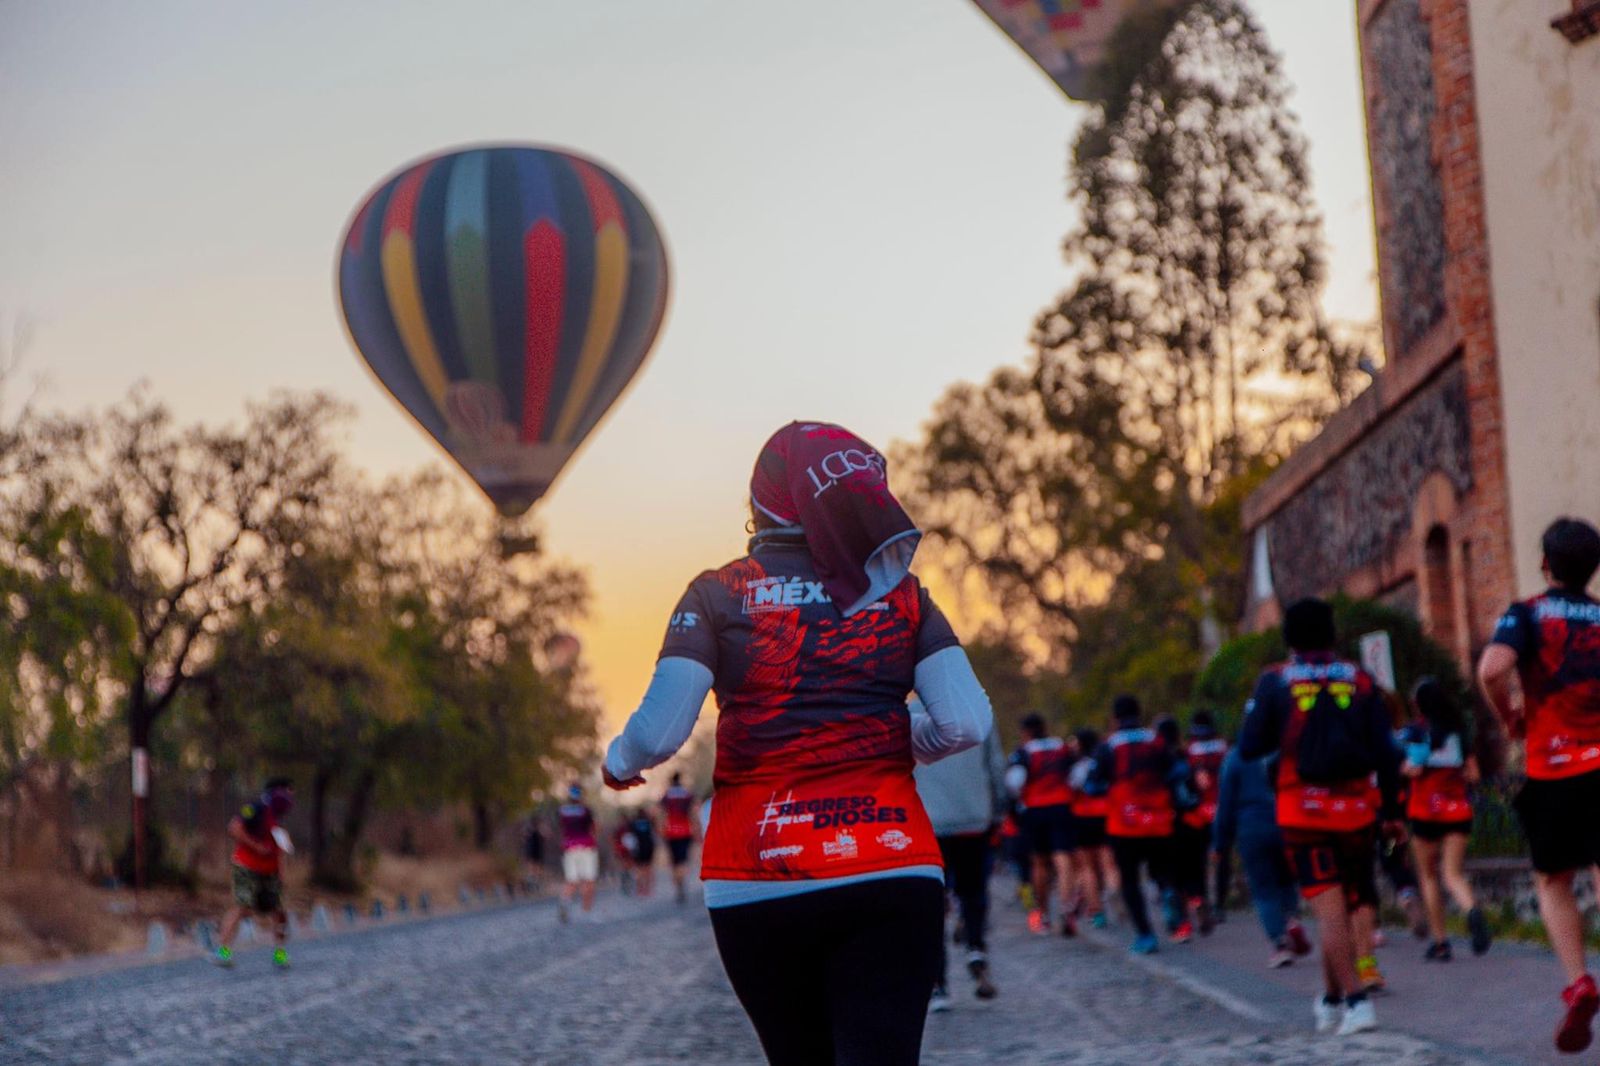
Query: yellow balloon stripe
[
  {"x": 605, "y": 312},
  {"x": 405, "y": 303}
]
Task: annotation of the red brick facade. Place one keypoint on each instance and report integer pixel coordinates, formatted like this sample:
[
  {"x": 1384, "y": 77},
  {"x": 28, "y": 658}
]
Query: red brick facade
[{"x": 1443, "y": 548}]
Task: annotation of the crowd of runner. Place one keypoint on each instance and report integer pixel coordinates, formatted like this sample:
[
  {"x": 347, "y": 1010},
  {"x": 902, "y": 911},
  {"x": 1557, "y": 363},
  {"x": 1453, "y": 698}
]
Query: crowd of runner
[{"x": 863, "y": 799}]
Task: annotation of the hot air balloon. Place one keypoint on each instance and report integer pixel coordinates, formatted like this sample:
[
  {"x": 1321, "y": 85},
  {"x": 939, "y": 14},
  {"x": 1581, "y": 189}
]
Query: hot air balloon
[
  {"x": 505, "y": 296},
  {"x": 1065, "y": 37}
]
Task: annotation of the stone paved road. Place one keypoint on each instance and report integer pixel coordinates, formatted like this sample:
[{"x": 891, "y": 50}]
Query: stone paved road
[{"x": 641, "y": 985}]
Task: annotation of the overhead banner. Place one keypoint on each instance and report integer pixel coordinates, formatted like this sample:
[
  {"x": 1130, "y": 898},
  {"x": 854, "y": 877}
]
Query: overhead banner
[{"x": 1067, "y": 38}]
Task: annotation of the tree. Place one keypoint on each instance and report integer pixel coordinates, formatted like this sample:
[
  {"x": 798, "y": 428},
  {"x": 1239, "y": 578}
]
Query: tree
[
  {"x": 1190, "y": 350},
  {"x": 179, "y": 526}
]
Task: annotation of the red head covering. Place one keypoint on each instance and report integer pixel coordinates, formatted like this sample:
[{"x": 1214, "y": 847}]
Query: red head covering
[{"x": 835, "y": 486}]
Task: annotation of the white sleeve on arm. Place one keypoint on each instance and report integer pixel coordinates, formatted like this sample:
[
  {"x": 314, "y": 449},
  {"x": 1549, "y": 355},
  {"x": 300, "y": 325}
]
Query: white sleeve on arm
[
  {"x": 664, "y": 720},
  {"x": 958, "y": 715}
]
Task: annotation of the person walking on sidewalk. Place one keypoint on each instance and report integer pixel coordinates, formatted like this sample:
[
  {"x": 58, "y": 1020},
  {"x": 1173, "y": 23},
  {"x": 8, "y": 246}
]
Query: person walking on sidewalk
[
  {"x": 1441, "y": 770},
  {"x": 1037, "y": 778},
  {"x": 1552, "y": 644},
  {"x": 1247, "y": 816},
  {"x": 822, "y": 873},
  {"x": 1133, "y": 770},
  {"x": 965, "y": 796},
  {"x": 1324, "y": 718}
]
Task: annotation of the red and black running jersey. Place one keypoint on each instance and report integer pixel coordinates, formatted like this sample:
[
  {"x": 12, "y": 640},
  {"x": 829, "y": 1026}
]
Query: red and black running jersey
[
  {"x": 1557, "y": 640},
  {"x": 1275, "y": 718},
  {"x": 258, "y": 822},
  {"x": 814, "y": 761},
  {"x": 577, "y": 826},
  {"x": 1047, "y": 762},
  {"x": 1205, "y": 760},
  {"x": 1134, "y": 763},
  {"x": 677, "y": 807}
]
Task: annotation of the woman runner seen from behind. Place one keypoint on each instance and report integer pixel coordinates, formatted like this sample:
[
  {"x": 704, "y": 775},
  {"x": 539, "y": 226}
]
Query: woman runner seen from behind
[{"x": 821, "y": 870}]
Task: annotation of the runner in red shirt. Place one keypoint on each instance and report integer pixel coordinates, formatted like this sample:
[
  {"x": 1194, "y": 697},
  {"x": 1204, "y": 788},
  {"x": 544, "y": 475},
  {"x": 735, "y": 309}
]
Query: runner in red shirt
[
  {"x": 1552, "y": 644},
  {"x": 821, "y": 870},
  {"x": 1326, "y": 720},
  {"x": 257, "y": 881},
  {"x": 1037, "y": 778},
  {"x": 1205, "y": 751},
  {"x": 1097, "y": 867},
  {"x": 1441, "y": 769},
  {"x": 677, "y": 829}
]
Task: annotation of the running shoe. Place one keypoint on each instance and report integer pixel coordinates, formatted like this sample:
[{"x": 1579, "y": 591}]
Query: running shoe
[
  {"x": 223, "y": 957},
  {"x": 1170, "y": 912},
  {"x": 1097, "y": 920},
  {"x": 1069, "y": 925},
  {"x": 1146, "y": 945},
  {"x": 939, "y": 1002},
  {"x": 1583, "y": 1000},
  {"x": 1326, "y": 1014},
  {"x": 978, "y": 967},
  {"x": 1037, "y": 923},
  {"x": 1478, "y": 925},
  {"x": 1438, "y": 952},
  {"x": 280, "y": 958},
  {"x": 1281, "y": 957},
  {"x": 1184, "y": 933},
  {"x": 1299, "y": 943},
  {"x": 1359, "y": 1017},
  {"x": 1370, "y": 976}
]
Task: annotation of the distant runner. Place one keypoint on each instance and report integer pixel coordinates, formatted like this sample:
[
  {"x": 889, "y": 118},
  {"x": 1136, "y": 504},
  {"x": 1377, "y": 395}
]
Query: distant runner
[
  {"x": 1097, "y": 867},
  {"x": 1440, "y": 812},
  {"x": 678, "y": 822},
  {"x": 257, "y": 881},
  {"x": 1324, "y": 718},
  {"x": 1552, "y": 644},
  {"x": 1037, "y": 777},
  {"x": 643, "y": 851},
  {"x": 1133, "y": 770},
  {"x": 580, "y": 854},
  {"x": 1205, "y": 752}
]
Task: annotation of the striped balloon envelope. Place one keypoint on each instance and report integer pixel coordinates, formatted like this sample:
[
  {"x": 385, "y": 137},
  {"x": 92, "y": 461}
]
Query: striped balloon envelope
[{"x": 505, "y": 295}]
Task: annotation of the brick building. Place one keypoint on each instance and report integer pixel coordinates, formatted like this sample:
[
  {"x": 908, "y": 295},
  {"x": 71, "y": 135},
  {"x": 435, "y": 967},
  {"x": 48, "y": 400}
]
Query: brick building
[{"x": 1430, "y": 490}]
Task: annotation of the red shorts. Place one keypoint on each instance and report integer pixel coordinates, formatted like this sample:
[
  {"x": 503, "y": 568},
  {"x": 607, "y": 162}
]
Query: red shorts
[{"x": 1322, "y": 860}]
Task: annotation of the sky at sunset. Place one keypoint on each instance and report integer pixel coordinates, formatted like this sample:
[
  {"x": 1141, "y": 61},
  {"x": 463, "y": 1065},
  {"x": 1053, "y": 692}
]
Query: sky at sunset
[{"x": 863, "y": 200}]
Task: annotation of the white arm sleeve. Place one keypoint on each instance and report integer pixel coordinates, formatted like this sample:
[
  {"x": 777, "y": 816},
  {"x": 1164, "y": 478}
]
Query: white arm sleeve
[
  {"x": 1448, "y": 753},
  {"x": 959, "y": 716},
  {"x": 664, "y": 720},
  {"x": 1016, "y": 777}
]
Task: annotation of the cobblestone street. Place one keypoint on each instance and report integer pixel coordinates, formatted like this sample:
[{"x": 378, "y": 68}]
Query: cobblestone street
[{"x": 640, "y": 985}]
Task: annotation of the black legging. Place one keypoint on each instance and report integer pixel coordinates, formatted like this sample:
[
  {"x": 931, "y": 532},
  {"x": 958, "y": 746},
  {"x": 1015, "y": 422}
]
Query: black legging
[
  {"x": 1132, "y": 853},
  {"x": 840, "y": 976},
  {"x": 966, "y": 873}
]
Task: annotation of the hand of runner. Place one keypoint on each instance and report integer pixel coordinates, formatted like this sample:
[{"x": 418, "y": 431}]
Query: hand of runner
[{"x": 620, "y": 786}]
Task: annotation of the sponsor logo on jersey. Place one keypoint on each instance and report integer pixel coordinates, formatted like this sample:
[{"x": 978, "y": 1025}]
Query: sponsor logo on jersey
[
  {"x": 785, "y": 852},
  {"x": 778, "y": 814},
  {"x": 894, "y": 839},
  {"x": 764, "y": 594},
  {"x": 842, "y": 846}
]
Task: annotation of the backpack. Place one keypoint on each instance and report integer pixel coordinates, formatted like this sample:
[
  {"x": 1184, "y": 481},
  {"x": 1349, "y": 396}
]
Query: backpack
[{"x": 1331, "y": 748}]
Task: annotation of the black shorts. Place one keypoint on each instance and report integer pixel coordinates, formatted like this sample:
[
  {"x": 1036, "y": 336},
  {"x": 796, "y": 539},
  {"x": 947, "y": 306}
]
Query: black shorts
[
  {"x": 679, "y": 850},
  {"x": 1561, "y": 819},
  {"x": 1433, "y": 832},
  {"x": 1090, "y": 832},
  {"x": 1049, "y": 829},
  {"x": 1322, "y": 860},
  {"x": 644, "y": 852}
]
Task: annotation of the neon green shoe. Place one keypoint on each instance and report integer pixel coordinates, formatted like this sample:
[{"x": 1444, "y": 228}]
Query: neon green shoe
[
  {"x": 280, "y": 958},
  {"x": 223, "y": 957}
]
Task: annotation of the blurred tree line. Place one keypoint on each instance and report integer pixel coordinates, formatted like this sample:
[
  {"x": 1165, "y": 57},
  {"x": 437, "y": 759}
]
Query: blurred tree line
[
  {"x": 240, "y": 601},
  {"x": 1094, "y": 492}
]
